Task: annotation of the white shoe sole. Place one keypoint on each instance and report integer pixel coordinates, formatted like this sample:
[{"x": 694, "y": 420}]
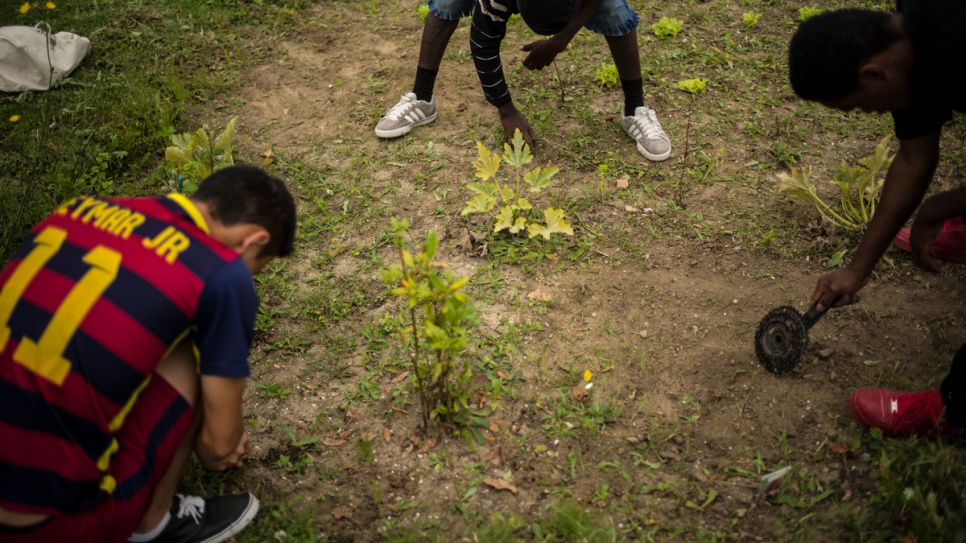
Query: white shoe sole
[
  {"x": 239, "y": 524},
  {"x": 403, "y": 130},
  {"x": 651, "y": 156}
]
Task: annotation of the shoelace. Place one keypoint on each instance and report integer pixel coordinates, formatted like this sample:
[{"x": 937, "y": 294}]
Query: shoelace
[
  {"x": 651, "y": 129},
  {"x": 401, "y": 108},
  {"x": 193, "y": 506}
]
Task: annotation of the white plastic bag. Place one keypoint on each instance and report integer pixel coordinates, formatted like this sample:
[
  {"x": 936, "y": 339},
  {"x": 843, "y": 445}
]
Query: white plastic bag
[{"x": 24, "y": 54}]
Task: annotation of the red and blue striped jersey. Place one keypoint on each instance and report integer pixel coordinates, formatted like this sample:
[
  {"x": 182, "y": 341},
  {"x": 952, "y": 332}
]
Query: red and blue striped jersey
[{"x": 95, "y": 297}]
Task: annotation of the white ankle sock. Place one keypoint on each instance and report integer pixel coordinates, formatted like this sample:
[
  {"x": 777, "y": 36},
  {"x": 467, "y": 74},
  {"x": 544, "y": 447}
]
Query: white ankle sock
[{"x": 150, "y": 536}]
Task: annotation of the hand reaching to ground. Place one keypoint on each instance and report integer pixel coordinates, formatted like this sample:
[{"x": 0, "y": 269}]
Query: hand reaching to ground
[
  {"x": 542, "y": 53},
  {"x": 512, "y": 121}
]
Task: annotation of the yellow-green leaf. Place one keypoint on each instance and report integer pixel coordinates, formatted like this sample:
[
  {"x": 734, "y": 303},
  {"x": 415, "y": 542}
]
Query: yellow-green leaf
[
  {"x": 523, "y": 204},
  {"x": 555, "y": 224},
  {"x": 539, "y": 178},
  {"x": 504, "y": 219},
  {"x": 490, "y": 189},
  {"x": 519, "y": 225},
  {"x": 488, "y": 164},
  {"x": 223, "y": 141},
  {"x": 481, "y": 203},
  {"x": 176, "y": 156},
  {"x": 507, "y": 194},
  {"x": 519, "y": 154}
]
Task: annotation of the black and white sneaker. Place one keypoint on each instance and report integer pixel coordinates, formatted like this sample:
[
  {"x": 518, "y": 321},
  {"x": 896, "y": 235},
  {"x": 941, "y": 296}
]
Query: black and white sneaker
[{"x": 196, "y": 520}]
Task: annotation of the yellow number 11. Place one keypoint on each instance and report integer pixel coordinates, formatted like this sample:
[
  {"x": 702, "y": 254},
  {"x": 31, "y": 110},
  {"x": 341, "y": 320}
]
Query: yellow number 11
[{"x": 45, "y": 356}]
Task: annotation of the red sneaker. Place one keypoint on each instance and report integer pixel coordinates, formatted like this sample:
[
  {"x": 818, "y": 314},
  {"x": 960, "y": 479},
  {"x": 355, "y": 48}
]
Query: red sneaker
[
  {"x": 900, "y": 413},
  {"x": 950, "y": 244}
]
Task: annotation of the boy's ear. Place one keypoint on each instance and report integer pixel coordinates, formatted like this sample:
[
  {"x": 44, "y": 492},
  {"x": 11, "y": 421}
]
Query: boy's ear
[
  {"x": 257, "y": 238},
  {"x": 872, "y": 73}
]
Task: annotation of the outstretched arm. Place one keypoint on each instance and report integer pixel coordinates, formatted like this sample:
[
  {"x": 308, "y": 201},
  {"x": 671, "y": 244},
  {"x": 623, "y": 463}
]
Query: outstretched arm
[
  {"x": 905, "y": 185},
  {"x": 543, "y": 52}
]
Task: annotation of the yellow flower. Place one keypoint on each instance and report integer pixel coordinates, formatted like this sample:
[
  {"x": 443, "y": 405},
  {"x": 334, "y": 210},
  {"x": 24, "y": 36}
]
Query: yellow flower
[
  {"x": 14, "y": 118},
  {"x": 50, "y": 5},
  {"x": 588, "y": 376},
  {"x": 25, "y": 8}
]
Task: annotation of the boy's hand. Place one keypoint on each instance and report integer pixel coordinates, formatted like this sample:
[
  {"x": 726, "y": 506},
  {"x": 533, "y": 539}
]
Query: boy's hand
[
  {"x": 542, "y": 53},
  {"x": 512, "y": 121},
  {"x": 845, "y": 283}
]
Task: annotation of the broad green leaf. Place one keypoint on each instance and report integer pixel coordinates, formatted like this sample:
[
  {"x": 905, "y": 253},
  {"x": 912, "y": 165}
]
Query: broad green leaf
[
  {"x": 539, "y": 178},
  {"x": 555, "y": 224},
  {"x": 432, "y": 242},
  {"x": 488, "y": 164},
  {"x": 223, "y": 141},
  {"x": 519, "y": 225},
  {"x": 798, "y": 185},
  {"x": 504, "y": 219},
  {"x": 523, "y": 204},
  {"x": 519, "y": 154},
  {"x": 490, "y": 189},
  {"x": 176, "y": 156},
  {"x": 481, "y": 203}
]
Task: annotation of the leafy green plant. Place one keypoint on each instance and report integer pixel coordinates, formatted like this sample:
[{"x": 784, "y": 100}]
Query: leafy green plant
[
  {"x": 272, "y": 389},
  {"x": 693, "y": 86},
  {"x": 807, "y": 12},
  {"x": 667, "y": 27},
  {"x": 439, "y": 316},
  {"x": 858, "y": 187},
  {"x": 514, "y": 214},
  {"x": 750, "y": 18},
  {"x": 423, "y": 12},
  {"x": 197, "y": 155},
  {"x": 607, "y": 75}
]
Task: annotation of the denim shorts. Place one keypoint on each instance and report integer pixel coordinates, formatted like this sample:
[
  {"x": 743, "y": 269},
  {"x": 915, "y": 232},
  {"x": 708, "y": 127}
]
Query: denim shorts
[{"x": 614, "y": 18}]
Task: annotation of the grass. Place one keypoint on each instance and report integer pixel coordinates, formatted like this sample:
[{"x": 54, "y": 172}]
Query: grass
[{"x": 645, "y": 458}]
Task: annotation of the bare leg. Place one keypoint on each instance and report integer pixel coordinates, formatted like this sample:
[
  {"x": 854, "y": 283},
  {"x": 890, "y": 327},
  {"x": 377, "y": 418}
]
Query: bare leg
[
  {"x": 436, "y": 35},
  {"x": 178, "y": 369},
  {"x": 626, "y": 56}
]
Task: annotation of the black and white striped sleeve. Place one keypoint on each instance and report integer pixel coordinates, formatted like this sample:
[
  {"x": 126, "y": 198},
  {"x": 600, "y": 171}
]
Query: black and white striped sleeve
[{"x": 488, "y": 31}]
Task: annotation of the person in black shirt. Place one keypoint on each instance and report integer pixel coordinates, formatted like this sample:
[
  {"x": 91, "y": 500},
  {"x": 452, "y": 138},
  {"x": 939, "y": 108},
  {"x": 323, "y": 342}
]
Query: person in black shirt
[
  {"x": 908, "y": 63},
  {"x": 561, "y": 19}
]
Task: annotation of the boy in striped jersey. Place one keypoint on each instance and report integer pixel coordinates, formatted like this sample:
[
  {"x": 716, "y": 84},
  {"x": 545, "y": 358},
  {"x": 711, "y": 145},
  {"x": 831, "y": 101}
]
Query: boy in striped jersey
[{"x": 125, "y": 326}]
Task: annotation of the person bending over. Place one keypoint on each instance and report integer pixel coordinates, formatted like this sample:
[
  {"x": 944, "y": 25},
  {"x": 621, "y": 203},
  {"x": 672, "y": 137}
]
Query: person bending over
[
  {"x": 907, "y": 63},
  {"x": 561, "y": 19},
  {"x": 125, "y": 325}
]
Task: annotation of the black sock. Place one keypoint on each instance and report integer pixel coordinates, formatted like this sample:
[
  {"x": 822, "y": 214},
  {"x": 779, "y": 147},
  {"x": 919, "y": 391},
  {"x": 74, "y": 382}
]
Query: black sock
[
  {"x": 633, "y": 95},
  {"x": 425, "y": 81}
]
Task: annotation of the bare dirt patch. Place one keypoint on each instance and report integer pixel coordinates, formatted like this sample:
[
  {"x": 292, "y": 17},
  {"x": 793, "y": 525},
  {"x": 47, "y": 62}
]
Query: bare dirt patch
[{"x": 662, "y": 308}]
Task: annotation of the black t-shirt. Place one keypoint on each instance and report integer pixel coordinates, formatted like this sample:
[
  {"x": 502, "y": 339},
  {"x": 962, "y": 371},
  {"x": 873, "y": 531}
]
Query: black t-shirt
[{"x": 938, "y": 32}]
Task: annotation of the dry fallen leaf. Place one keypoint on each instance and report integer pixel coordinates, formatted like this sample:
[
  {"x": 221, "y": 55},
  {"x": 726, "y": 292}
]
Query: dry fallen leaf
[
  {"x": 494, "y": 453},
  {"x": 399, "y": 377},
  {"x": 502, "y": 375},
  {"x": 499, "y": 484},
  {"x": 541, "y": 295},
  {"x": 622, "y": 183},
  {"x": 333, "y": 442},
  {"x": 340, "y": 512},
  {"x": 842, "y": 448},
  {"x": 580, "y": 393},
  {"x": 268, "y": 158},
  {"x": 400, "y": 410},
  {"x": 386, "y": 434}
]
